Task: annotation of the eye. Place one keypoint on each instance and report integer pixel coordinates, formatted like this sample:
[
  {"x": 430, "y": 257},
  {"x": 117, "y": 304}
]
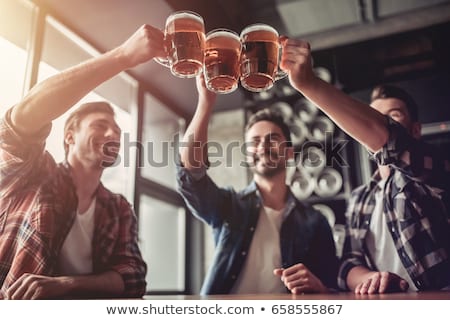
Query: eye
[{"x": 396, "y": 114}]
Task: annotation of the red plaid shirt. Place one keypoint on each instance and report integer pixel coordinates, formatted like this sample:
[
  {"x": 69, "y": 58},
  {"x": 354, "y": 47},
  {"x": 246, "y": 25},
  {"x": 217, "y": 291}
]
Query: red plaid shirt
[{"x": 38, "y": 206}]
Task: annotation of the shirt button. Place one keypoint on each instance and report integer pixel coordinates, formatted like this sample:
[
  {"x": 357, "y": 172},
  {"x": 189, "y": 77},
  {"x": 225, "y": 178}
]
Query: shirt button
[
  {"x": 252, "y": 229},
  {"x": 393, "y": 230},
  {"x": 233, "y": 277},
  {"x": 243, "y": 253}
]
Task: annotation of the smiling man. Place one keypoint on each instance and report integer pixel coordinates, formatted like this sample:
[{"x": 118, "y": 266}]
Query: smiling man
[
  {"x": 398, "y": 231},
  {"x": 266, "y": 240},
  {"x": 62, "y": 233}
]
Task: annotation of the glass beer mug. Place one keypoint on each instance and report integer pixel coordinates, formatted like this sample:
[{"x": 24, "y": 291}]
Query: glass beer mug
[
  {"x": 184, "y": 39},
  {"x": 260, "y": 57},
  {"x": 222, "y": 57}
]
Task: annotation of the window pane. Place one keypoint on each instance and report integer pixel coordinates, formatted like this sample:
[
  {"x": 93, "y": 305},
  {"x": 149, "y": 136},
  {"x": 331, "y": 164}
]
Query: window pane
[
  {"x": 62, "y": 49},
  {"x": 15, "y": 26},
  {"x": 162, "y": 241},
  {"x": 160, "y": 127}
]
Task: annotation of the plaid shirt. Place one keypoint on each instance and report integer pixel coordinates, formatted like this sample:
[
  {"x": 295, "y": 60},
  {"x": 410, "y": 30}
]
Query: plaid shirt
[
  {"x": 38, "y": 207},
  {"x": 414, "y": 203}
]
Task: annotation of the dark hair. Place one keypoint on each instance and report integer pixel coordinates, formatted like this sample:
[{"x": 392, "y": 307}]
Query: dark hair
[
  {"x": 271, "y": 116},
  {"x": 389, "y": 91},
  {"x": 73, "y": 121}
]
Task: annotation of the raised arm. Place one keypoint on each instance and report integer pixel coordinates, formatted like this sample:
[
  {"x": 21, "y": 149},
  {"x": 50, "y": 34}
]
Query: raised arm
[
  {"x": 358, "y": 119},
  {"x": 54, "y": 96},
  {"x": 194, "y": 145}
]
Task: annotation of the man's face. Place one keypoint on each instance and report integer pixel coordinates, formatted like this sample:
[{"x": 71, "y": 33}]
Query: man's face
[
  {"x": 96, "y": 141},
  {"x": 397, "y": 110},
  {"x": 267, "y": 149}
]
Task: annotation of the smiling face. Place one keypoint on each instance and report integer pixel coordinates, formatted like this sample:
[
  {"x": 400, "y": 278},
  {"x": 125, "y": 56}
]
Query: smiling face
[
  {"x": 95, "y": 142},
  {"x": 267, "y": 149}
]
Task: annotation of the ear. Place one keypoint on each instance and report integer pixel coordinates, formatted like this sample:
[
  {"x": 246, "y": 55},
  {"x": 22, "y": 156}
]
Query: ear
[
  {"x": 289, "y": 153},
  {"x": 416, "y": 129},
  {"x": 69, "y": 139}
]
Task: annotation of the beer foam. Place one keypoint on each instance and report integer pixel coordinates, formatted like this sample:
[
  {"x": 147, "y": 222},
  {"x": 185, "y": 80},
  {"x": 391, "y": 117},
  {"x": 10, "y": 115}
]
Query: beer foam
[
  {"x": 184, "y": 14},
  {"x": 222, "y": 33},
  {"x": 258, "y": 27}
]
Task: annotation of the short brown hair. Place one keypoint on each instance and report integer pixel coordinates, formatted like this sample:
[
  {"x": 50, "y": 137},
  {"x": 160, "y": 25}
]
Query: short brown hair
[
  {"x": 271, "y": 116},
  {"x": 73, "y": 121}
]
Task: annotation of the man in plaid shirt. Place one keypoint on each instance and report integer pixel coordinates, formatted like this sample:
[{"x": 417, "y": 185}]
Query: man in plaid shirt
[
  {"x": 61, "y": 232},
  {"x": 398, "y": 234}
]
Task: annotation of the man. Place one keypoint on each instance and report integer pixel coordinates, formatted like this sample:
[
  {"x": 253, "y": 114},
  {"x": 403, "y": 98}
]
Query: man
[
  {"x": 61, "y": 232},
  {"x": 266, "y": 240},
  {"x": 398, "y": 234}
]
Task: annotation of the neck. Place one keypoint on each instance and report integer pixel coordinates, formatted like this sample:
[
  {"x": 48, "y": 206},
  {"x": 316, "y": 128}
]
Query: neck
[
  {"x": 273, "y": 190},
  {"x": 86, "y": 180}
]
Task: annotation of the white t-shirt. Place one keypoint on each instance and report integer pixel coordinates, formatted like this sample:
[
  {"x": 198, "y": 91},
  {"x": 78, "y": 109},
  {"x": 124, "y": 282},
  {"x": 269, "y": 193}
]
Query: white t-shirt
[
  {"x": 75, "y": 257},
  {"x": 380, "y": 243},
  {"x": 263, "y": 257}
]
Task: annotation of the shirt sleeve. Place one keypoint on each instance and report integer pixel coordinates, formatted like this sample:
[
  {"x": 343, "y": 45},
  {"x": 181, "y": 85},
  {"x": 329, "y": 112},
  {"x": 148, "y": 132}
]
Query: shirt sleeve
[
  {"x": 202, "y": 196},
  {"x": 22, "y": 157},
  {"x": 353, "y": 253},
  {"x": 126, "y": 258}
]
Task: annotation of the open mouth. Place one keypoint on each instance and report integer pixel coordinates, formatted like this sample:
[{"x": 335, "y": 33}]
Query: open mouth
[{"x": 110, "y": 148}]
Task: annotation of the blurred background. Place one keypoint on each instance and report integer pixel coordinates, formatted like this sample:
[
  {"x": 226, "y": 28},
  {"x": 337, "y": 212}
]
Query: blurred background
[{"x": 356, "y": 44}]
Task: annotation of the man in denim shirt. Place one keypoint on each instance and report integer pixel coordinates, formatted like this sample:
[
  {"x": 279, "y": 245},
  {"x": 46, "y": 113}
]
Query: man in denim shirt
[
  {"x": 266, "y": 240},
  {"x": 398, "y": 234}
]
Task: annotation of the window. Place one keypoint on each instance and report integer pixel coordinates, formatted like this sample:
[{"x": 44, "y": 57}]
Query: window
[
  {"x": 162, "y": 234},
  {"x": 16, "y": 20},
  {"x": 160, "y": 129}
]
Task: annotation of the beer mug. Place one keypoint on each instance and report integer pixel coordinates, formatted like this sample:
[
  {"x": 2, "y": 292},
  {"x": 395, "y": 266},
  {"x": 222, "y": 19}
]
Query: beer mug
[
  {"x": 222, "y": 57},
  {"x": 184, "y": 42},
  {"x": 260, "y": 57}
]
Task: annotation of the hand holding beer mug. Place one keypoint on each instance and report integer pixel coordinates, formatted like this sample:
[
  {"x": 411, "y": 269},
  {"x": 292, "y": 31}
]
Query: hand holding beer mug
[
  {"x": 184, "y": 38},
  {"x": 222, "y": 57},
  {"x": 260, "y": 57}
]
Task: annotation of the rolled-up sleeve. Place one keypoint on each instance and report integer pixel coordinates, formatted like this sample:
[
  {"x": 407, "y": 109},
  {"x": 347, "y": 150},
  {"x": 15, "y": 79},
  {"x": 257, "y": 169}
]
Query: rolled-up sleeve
[{"x": 22, "y": 158}]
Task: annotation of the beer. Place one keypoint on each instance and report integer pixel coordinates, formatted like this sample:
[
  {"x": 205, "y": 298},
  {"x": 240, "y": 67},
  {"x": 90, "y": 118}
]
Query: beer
[
  {"x": 259, "y": 59},
  {"x": 184, "y": 44},
  {"x": 222, "y": 56}
]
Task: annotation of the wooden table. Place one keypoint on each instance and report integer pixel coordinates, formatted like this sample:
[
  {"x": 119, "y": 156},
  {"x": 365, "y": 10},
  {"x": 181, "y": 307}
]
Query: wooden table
[{"x": 431, "y": 295}]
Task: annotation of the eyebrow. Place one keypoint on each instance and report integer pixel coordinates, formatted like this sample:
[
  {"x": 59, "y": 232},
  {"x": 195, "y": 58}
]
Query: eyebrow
[
  {"x": 103, "y": 121},
  {"x": 270, "y": 134}
]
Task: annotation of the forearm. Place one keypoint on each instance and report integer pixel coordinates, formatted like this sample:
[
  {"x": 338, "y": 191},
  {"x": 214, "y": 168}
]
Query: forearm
[
  {"x": 194, "y": 146},
  {"x": 358, "y": 119},
  {"x": 109, "y": 283},
  {"x": 357, "y": 275},
  {"x": 54, "y": 96}
]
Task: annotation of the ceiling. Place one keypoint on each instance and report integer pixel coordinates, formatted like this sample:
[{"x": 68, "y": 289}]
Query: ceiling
[{"x": 326, "y": 24}]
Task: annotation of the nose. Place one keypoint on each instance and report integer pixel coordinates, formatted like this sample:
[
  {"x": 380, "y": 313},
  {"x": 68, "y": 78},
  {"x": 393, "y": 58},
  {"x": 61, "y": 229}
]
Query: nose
[{"x": 112, "y": 134}]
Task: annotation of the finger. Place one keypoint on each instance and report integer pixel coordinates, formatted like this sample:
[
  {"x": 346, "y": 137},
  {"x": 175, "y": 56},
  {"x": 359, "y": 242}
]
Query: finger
[
  {"x": 16, "y": 289},
  {"x": 278, "y": 271},
  {"x": 358, "y": 288},
  {"x": 365, "y": 286},
  {"x": 404, "y": 285},
  {"x": 374, "y": 285},
  {"x": 19, "y": 292},
  {"x": 293, "y": 269},
  {"x": 301, "y": 289},
  {"x": 291, "y": 285},
  {"x": 384, "y": 282}
]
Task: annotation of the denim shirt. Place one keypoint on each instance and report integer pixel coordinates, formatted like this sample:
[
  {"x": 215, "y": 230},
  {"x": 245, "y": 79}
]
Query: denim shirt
[{"x": 305, "y": 235}]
